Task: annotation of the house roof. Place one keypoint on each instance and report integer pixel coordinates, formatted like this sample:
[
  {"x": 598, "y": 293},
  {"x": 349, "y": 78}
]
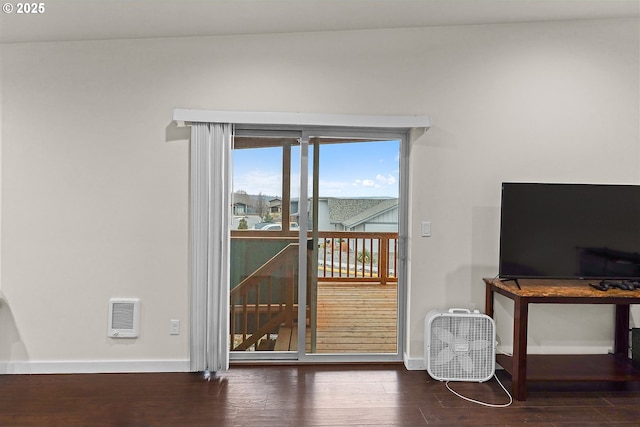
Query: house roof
[
  {"x": 372, "y": 212},
  {"x": 351, "y": 212},
  {"x": 342, "y": 209}
]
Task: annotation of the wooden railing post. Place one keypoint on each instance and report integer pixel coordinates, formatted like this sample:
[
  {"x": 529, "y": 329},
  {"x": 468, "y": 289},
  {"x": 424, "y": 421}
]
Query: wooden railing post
[
  {"x": 383, "y": 260},
  {"x": 289, "y": 298}
]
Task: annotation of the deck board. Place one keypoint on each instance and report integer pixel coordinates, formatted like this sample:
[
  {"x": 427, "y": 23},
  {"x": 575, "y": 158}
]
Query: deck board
[
  {"x": 357, "y": 318},
  {"x": 351, "y": 318}
]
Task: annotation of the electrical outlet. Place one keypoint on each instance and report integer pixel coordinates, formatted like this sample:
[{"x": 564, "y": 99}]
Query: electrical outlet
[{"x": 174, "y": 327}]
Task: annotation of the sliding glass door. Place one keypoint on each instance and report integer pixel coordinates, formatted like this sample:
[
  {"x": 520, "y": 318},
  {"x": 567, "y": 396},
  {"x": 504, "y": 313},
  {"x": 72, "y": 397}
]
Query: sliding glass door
[{"x": 316, "y": 256}]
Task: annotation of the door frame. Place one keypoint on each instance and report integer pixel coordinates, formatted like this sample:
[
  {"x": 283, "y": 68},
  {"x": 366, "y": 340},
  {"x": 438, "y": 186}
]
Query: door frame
[
  {"x": 303, "y": 134},
  {"x": 403, "y": 203}
]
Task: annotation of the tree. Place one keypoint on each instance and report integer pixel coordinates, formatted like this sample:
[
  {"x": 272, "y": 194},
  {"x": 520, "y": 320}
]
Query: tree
[
  {"x": 261, "y": 205},
  {"x": 364, "y": 256},
  {"x": 242, "y": 225}
]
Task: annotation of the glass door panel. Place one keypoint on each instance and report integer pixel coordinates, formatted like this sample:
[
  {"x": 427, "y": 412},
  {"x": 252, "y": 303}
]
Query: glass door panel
[
  {"x": 264, "y": 247},
  {"x": 353, "y": 285}
]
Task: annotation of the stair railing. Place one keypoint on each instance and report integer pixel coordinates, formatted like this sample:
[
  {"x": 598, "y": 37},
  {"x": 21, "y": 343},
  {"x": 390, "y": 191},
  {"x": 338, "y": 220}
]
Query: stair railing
[{"x": 264, "y": 300}]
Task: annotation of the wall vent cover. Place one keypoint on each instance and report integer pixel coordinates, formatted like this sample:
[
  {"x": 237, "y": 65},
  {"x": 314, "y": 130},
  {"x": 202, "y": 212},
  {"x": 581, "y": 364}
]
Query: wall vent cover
[{"x": 124, "y": 317}]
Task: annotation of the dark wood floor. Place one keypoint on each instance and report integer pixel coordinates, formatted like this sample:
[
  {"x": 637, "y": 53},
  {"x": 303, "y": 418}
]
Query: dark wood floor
[{"x": 302, "y": 395}]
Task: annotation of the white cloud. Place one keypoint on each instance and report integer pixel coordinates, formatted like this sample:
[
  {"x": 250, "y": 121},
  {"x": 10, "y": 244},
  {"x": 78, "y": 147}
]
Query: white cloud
[
  {"x": 379, "y": 182},
  {"x": 328, "y": 187},
  {"x": 259, "y": 182},
  {"x": 269, "y": 183},
  {"x": 385, "y": 180}
]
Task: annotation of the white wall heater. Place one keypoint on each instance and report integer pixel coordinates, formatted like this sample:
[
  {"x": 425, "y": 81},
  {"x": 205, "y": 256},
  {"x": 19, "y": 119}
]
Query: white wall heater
[{"x": 124, "y": 317}]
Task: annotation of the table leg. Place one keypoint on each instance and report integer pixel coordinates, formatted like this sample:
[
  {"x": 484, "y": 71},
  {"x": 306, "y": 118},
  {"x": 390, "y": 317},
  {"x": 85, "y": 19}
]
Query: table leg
[
  {"x": 519, "y": 375},
  {"x": 621, "y": 343},
  {"x": 488, "y": 303}
]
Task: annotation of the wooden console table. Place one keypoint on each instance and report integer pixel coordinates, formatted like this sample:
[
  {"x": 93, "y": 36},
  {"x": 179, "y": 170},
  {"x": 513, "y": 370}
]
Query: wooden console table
[{"x": 614, "y": 367}]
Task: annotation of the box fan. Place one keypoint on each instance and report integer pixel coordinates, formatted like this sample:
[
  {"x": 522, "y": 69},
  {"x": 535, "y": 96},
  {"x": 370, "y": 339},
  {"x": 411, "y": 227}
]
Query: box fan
[{"x": 459, "y": 345}]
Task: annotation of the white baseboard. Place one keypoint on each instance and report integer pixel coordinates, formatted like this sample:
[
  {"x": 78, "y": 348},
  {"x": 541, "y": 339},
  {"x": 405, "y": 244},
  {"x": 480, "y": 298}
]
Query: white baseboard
[
  {"x": 417, "y": 363},
  {"x": 93, "y": 366},
  {"x": 413, "y": 364}
]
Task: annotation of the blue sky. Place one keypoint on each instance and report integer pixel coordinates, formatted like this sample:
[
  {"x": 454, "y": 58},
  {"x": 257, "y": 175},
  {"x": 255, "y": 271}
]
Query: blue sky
[{"x": 369, "y": 169}]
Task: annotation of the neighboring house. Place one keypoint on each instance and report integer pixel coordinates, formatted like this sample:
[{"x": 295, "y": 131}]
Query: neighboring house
[
  {"x": 380, "y": 217},
  {"x": 239, "y": 209},
  {"x": 366, "y": 214},
  {"x": 275, "y": 206},
  {"x": 252, "y": 208},
  {"x": 251, "y": 204},
  {"x": 354, "y": 214},
  {"x": 243, "y": 204}
]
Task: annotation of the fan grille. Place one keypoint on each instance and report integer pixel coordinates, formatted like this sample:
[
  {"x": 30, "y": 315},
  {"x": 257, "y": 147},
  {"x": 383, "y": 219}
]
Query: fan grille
[{"x": 461, "y": 347}]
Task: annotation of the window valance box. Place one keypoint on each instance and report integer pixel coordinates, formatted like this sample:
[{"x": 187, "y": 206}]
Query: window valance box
[{"x": 301, "y": 119}]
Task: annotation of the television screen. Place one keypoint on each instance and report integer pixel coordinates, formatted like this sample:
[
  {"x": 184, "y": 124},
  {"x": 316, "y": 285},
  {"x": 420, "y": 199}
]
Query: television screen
[{"x": 570, "y": 231}]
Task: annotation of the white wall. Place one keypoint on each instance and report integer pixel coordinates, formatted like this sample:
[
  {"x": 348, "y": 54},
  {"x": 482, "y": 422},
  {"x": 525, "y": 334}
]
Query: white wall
[
  {"x": 547, "y": 102},
  {"x": 95, "y": 185}
]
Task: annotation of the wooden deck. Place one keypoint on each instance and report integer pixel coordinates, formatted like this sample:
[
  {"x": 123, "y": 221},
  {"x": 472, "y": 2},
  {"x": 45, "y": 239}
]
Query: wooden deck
[
  {"x": 352, "y": 318},
  {"x": 357, "y": 318}
]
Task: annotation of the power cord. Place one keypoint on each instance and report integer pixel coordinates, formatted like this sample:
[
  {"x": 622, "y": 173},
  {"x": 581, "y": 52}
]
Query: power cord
[
  {"x": 491, "y": 405},
  {"x": 504, "y": 353}
]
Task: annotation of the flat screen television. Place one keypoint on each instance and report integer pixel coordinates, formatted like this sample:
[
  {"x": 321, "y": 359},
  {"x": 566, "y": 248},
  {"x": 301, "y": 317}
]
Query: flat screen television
[{"x": 570, "y": 231}]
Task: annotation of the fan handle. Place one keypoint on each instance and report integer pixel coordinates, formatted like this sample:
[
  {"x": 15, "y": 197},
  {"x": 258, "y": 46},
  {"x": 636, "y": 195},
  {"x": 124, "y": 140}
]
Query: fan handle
[{"x": 461, "y": 310}]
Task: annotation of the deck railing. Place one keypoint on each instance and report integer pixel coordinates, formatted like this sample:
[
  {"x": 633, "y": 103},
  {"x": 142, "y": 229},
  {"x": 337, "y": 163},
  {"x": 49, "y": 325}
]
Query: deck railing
[
  {"x": 357, "y": 256},
  {"x": 266, "y": 298}
]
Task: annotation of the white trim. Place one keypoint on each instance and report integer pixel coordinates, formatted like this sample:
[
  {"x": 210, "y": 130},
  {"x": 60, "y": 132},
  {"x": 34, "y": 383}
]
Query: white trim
[
  {"x": 301, "y": 119},
  {"x": 414, "y": 363},
  {"x": 402, "y": 268},
  {"x": 559, "y": 349},
  {"x": 417, "y": 363},
  {"x": 303, "y": 223},
  {"x": 93, "y": 366},
  {"x": 262, "y": 356}
]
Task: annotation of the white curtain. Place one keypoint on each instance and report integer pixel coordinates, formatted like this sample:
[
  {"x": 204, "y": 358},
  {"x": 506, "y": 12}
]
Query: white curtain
[{"x": 210, "y": 205}]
